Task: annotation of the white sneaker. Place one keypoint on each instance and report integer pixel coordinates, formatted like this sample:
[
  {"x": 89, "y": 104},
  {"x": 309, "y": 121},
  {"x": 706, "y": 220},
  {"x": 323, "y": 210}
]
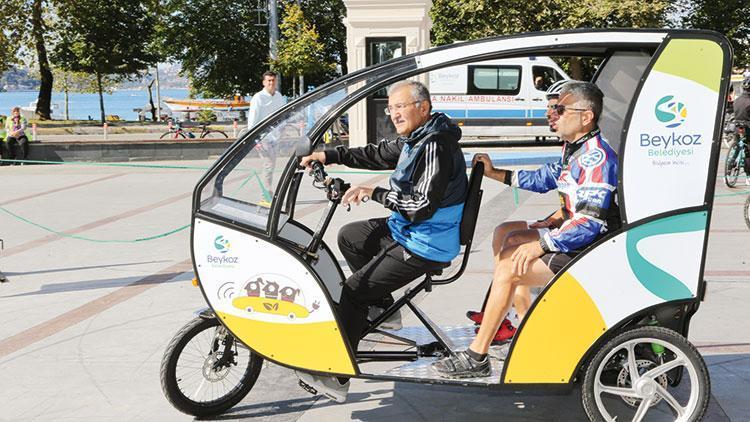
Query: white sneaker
[
  {"x": 392, "y": 323},
  {"x": 747, "y": 180},
  {"x": 325, "y": 385}
]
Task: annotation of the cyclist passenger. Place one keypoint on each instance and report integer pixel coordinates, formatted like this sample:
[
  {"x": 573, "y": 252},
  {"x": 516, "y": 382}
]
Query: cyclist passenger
[
  {"x": 586, "y": 180},
  {"x": 513, "y": 233},
  {"x": 426, "y": 197}
]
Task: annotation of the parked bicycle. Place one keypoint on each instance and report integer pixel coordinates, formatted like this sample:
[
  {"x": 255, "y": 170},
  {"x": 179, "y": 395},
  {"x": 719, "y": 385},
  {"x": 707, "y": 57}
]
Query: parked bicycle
[
  {"x": 736, "y": 160},
  {"x": 746, "y": 208},
  {"x": 179, "y": 129}
]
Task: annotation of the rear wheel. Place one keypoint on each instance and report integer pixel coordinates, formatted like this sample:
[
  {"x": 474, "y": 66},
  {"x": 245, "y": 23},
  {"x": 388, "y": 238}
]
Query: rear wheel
[
  {"x": 732, "y": 165},
  {"x": 214, "y": 134},
  {"x": 205, "y": 371},
  {"x": 671, "y": 383}
]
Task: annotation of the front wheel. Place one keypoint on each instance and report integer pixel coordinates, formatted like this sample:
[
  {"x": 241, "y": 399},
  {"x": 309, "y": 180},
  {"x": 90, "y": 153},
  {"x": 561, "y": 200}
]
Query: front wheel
[
  {"x": 214, "y": 134},
  {"x": 732, "y": 165},
  {"x": 205, "y": 370},
  {"x": 670, "y": 382},
  {"x": 747, "y": 211}
]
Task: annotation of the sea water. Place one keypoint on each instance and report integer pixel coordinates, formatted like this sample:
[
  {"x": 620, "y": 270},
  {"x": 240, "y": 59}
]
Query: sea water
[{"x": 86, "y": 106}]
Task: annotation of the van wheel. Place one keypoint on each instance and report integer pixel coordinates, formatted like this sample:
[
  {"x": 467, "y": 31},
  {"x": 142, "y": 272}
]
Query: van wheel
[{"x": 672, "y": 378}]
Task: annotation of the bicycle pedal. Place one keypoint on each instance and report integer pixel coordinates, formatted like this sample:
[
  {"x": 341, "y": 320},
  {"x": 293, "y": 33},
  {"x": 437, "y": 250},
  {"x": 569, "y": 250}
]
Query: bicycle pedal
[{"x": 309, "y": 388}]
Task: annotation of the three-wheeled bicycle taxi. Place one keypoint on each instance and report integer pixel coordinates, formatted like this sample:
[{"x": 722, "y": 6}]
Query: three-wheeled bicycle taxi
[{"x": 272, "y": 283}]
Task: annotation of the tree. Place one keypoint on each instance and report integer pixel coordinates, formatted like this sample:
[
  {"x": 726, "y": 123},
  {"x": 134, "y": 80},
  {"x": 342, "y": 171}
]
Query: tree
[
  {"x": 327, "y": 16},
  {"x": 28, "y": 24},
  {"x": 106, "y": 39},
  {"x": 67, "y": 82},
  {"x": 729, "y": 17},
  {"x": 455, "y": 20},
  {"x": 300, "y": 49},
  {"x": 219, "y": 44}
]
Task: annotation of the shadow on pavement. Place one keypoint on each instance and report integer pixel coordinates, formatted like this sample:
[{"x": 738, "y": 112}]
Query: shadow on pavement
[{"x": 46, "y": 289}]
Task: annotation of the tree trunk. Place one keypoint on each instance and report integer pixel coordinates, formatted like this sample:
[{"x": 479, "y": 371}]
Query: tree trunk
[
  {"x": 301, "y": 84},
  {"x": 151, "y": 102},
  {"x": 44, "y": 100},
  {"x": 294, "y": 87},
  {"x": 576, "y": 71},
  {"x": 101, "y": 96}
]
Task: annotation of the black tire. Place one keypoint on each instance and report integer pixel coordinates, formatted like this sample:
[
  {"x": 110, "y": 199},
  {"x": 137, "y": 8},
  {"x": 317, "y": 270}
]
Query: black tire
[
  {"x": 688, "y": 371},
  {"x": 731, "y": 167},
  {"x": 747, "y": 211},
  {"x": 171, "y": 384},
  {"x": 214, "y": 133},
  {"x": 176, "y": 134}
]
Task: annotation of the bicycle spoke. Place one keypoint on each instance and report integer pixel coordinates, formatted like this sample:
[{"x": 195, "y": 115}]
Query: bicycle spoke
[
  {"x": 671, "y": 401},
  {"x": 664, "y": 368},
  {"x": 617, "y": 391},
  {"x": 642, "y": 409},
  {"x": 632, "y": 365}
]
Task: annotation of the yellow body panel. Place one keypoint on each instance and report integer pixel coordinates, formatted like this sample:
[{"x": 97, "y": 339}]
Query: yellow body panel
[
  {"x": 561, "y": 328},
  {"x": 264, "y": 305},
  {"x": 315, "y": 346}
]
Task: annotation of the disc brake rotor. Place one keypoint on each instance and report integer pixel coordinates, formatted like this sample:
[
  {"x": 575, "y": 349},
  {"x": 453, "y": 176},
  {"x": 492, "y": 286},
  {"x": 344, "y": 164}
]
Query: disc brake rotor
[
  {"x": 624, "y": 381},
  {"x": 210, "y": 372}
]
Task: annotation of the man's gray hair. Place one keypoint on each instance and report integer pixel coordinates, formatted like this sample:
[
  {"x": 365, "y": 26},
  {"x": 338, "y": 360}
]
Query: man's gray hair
[
  {"x": 419, "y": 92},
  {"x": 586, "y": 93}
]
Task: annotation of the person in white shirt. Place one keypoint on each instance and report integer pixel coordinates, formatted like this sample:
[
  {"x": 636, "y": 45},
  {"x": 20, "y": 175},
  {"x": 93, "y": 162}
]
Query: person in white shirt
[{"x": 264, "y": 103}]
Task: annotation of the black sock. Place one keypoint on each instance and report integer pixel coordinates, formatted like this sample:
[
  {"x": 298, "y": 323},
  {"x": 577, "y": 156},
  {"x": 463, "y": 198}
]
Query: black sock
[{"x": 476, "y": 356}]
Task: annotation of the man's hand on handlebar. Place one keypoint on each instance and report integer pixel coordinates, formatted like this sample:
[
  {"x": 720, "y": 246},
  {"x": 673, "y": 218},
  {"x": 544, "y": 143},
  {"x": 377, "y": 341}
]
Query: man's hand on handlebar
[
  {"x": 306, "y": 161},
  {"x": 357, "y": 194}
]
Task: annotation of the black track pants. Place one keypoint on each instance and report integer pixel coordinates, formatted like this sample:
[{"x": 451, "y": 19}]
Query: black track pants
[{"x": 380, "y": 266}]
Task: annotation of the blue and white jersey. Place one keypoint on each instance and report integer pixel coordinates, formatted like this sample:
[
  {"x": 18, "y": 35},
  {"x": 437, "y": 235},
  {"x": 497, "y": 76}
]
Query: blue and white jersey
[{"x": 586, "y": 180}]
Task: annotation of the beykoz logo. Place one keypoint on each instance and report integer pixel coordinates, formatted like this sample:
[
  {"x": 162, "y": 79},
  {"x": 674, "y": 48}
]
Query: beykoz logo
[
  {"x": 670, "y": 111},
  {"x": 222, "y": 245}
]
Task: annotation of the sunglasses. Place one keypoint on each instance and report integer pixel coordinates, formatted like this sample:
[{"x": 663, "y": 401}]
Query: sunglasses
[{"x": 561, "y": 108}]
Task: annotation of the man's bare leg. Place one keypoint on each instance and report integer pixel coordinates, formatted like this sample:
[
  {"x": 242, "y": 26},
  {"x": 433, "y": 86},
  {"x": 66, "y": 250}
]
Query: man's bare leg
[{"x": 504, "y": 284}]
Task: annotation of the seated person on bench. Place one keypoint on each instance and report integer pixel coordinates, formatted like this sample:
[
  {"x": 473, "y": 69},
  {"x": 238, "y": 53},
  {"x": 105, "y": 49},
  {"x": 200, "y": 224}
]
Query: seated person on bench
[
  {"x": 586, "y": 180},
  {"x": 426, "y": 196}
]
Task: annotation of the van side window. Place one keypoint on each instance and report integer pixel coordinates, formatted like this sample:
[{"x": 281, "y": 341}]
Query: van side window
[
  {"x": 544, "y": 77},
  {"x": 494, "y": 80}
]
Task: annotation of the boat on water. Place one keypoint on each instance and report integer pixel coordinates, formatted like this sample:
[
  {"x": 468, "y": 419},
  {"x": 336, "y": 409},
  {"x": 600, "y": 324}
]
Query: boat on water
[{"x": 187, "y": 105}]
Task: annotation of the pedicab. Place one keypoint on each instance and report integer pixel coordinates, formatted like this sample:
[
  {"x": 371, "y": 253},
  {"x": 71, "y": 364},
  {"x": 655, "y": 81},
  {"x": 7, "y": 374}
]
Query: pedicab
[{"x": 272, "y": 281}]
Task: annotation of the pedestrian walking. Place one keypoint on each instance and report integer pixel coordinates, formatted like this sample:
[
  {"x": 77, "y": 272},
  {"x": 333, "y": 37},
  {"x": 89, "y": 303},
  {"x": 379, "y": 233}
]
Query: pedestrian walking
[{"x": 264, "y": 103}]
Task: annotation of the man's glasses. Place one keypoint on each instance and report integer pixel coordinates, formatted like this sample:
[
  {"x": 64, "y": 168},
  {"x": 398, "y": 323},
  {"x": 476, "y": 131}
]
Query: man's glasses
[
  {"x": 397, "y": 107},
  {"x": 560, "y": 109}
]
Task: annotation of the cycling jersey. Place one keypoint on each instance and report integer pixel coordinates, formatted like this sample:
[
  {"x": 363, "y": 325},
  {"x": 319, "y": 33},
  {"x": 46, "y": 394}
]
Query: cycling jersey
[{"x": 586, "y": 180}]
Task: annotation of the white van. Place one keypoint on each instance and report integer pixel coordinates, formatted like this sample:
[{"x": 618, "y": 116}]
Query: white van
[{"x": 497, "y": 97}]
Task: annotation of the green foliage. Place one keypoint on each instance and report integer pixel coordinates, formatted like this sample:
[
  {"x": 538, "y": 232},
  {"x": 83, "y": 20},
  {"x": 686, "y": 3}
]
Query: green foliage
[
  {"x": 105, "y": 38},
  {"x": 66, "y": 81},
  {"x": 206, "y": 115},
  {"x": 327, "y": 17},
  {"x": 300, "y": 49},
  {"x": 729, "y": 17},
  {"x": 220, "y": 48},
  {"x": 459, "y": 20}
]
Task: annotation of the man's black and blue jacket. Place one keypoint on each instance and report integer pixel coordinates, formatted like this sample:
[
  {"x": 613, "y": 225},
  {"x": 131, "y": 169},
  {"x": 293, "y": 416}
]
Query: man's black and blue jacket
[{"x": 427, "y": 189}]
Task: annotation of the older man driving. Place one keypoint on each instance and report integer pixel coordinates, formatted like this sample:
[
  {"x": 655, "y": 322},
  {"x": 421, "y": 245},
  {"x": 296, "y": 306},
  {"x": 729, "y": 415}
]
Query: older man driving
[{"x": 426, "y": 195}]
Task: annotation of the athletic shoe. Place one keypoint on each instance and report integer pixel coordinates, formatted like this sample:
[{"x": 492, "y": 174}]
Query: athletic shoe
[
  {"x": 392, "y": 323},
  {"x": 504, "y": 333},
  {"x": 461, "y": 365},
  {"x": 475, "y": 317},
  {"x": 325, "y": 385}
]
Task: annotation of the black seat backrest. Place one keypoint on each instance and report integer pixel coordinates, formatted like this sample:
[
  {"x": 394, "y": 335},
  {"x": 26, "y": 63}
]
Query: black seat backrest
[{"x": 471, "y": 206}]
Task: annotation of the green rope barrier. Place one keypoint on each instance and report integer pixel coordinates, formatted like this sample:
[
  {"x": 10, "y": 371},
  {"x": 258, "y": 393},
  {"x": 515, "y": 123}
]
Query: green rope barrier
[{"x": 89, "y": 239}]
